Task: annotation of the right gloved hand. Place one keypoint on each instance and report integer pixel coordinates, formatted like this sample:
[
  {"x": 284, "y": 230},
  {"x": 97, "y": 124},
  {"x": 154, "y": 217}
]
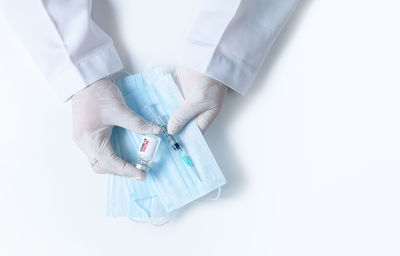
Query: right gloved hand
[
  {"x": 204, "y": 98},
  {"x": 95, "y": 110}
]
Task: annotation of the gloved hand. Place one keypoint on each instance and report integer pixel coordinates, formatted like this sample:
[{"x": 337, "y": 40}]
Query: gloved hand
[
  {"x": 204, "y": 97},
  {"x": 95, "y": 110}
]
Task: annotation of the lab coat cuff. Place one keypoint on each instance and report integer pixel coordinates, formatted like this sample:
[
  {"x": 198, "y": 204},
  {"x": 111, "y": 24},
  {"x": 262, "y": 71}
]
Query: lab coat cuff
[
  {"x": 89, "y": 69},
  {"x": 219, "y": 66}
]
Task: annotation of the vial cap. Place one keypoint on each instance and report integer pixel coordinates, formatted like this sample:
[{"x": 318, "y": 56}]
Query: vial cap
[{"x": 142, "y": 167}]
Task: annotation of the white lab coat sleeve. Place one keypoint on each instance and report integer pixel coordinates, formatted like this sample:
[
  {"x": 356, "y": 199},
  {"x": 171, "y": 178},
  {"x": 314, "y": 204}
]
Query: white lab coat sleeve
[
  {"x": 67, "y": 45},
  {"x": 231, "y": 39}
]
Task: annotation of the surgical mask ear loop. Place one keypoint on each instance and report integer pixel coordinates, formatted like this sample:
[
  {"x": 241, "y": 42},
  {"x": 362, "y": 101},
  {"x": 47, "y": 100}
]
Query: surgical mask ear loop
[
  {"x": 214, "y": 198},
  {"x": 217, "y": 196},
  {"x": 148, "y": 220},
  {"x": 158, "y": 222}
]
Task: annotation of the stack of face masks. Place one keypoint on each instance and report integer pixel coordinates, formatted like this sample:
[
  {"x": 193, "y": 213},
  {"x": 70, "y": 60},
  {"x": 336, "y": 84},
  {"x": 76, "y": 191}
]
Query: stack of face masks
[{"x": 170, "y": 184}]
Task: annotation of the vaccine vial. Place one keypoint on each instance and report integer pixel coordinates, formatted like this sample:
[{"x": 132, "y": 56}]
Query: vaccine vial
[{"x": 147, "y": 150}]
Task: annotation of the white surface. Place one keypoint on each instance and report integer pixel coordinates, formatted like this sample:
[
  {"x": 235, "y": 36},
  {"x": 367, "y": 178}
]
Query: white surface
[{"x": 310, "y": 153}]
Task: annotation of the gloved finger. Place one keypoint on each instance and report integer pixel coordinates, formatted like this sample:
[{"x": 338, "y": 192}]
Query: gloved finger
[
  {"x": 128, "y": 119},
  {"x": 108, "y": 162},
  {"x": 186, "y": 112},
  {"x": 204, "y": 120}
]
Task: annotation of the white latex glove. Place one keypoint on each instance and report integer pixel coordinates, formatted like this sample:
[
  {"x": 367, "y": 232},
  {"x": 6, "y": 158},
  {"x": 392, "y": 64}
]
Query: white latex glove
[
  {"x": 204, "y": 97},
  {"x": 95, "y": 110}
]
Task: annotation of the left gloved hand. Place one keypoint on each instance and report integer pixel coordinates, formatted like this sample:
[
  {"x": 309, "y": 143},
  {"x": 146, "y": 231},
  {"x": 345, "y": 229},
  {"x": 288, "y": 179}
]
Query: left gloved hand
[
  {"x": 204, "y": 97},
  {"x": 95, "y": 111}
]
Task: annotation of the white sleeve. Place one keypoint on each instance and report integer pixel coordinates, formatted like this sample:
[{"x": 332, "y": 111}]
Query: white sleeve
[
  {"x": 68, "y": 47},
  {"x": 231, "y": 38}
]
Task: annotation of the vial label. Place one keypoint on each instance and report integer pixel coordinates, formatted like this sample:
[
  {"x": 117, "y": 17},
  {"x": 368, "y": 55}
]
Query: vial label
[{"x": 148, "y": 147}]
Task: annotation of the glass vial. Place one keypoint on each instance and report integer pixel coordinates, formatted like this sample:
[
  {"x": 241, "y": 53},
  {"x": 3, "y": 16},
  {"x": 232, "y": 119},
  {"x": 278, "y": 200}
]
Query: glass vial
[{"x": 147, "y": 150}]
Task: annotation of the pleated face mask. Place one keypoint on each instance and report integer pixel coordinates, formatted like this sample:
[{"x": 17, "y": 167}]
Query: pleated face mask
[{"x": 175, "y": 178}]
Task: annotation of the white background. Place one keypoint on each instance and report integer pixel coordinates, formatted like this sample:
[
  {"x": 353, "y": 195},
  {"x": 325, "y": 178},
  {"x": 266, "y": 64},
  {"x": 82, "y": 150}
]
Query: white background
[{"x": 311, "y": 153}]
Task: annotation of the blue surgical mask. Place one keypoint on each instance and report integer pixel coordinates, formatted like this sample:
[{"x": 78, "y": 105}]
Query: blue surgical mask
[{"x": 170, "y": 183}]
